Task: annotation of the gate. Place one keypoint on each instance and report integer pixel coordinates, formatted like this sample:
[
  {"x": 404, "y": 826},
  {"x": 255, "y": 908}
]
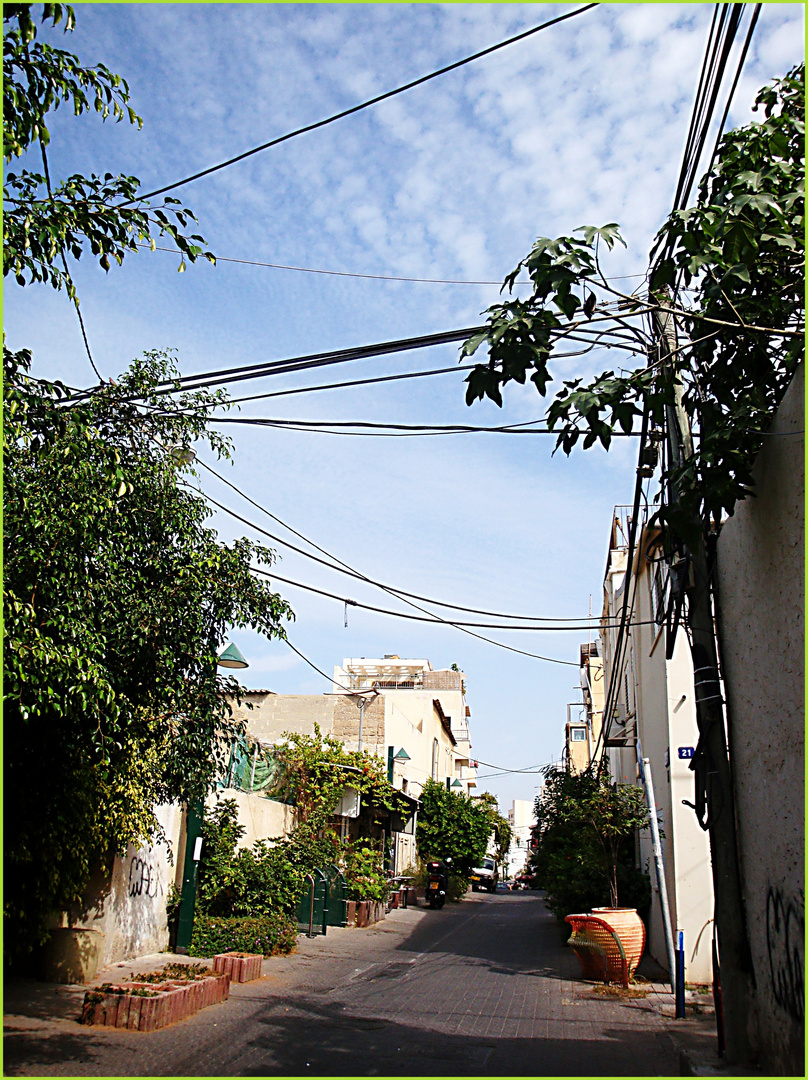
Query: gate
[
  {"x": 337, "y": 897},
  {"x": 312, "y": 908}
]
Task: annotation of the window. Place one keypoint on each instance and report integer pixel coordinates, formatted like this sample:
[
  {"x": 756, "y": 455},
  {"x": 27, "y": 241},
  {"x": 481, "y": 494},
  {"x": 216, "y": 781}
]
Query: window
[
  {"x": 659, "y": 590},
  {"x": 578, "y": 734},
  {"x": 434, "y": 759}
]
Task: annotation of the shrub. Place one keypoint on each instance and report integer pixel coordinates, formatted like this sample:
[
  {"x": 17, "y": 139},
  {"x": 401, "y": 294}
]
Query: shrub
[
  {"x": 364, "y": 871},
  {"x": 267, "y": 934},
  {"x": 458, "y": 887}
]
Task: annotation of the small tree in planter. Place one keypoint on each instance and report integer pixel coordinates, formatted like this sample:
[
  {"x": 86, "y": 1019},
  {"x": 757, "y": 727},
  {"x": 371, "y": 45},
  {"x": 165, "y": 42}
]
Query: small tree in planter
[{"x": 586, "y": 828}]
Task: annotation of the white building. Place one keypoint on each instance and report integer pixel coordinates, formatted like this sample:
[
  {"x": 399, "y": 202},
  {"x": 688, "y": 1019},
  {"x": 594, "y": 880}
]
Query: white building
[
  {"x": 654, "y": 717},
  {"x": 521, "y": 817}
]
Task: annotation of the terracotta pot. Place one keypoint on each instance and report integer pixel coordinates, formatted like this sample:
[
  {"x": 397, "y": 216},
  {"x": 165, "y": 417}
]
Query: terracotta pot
[{"x": 630, "y": 928}]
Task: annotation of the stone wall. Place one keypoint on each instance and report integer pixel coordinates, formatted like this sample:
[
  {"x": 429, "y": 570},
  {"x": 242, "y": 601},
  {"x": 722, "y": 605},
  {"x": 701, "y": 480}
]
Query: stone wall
[{"x": 443, "y": 680}]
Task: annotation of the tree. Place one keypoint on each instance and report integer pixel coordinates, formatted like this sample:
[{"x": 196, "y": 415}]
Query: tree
[
  {"x": 500, "y": 828},
  {"x": 452, "y": 826},
  {"x": 44, "y": 221},
  {"x": 117, "y": 598},
  {"x": 741, "y": 248},
  {"x": 586, "y": 830}
]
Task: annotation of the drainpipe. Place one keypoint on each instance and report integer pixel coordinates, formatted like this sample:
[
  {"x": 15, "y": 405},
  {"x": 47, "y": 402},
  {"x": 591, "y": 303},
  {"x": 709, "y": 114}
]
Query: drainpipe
[{"x": 648, "y": 784}]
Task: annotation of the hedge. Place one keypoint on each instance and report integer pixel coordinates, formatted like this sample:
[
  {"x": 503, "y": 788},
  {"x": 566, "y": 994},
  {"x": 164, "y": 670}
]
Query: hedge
[{"x": 265, "y": 934}]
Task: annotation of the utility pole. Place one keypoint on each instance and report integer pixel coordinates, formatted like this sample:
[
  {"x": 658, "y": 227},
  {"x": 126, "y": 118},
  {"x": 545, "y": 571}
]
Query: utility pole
[{"x": 715, "y": 799}]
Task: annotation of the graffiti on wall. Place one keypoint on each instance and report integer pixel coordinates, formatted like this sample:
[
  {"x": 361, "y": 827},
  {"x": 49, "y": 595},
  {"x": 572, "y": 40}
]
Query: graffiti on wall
[
  {"x": 144, "y": 877},
  {"x": 785, "y": 934}
]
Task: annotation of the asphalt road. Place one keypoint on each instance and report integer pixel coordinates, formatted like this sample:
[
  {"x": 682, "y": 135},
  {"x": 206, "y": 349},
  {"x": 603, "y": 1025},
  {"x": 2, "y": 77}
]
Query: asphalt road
[{"x": 483, "y": 988}]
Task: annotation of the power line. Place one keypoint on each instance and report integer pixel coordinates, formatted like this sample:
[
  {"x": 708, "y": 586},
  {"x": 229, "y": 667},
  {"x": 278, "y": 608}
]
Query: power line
[
  {"x": 387, "y": 430},
  {"x": 351, "y": 382},
  {"x": 310, "y": 360},
  {"x": 369, "y": 277},
  {"x": 723, "y": 29},
  {"x": 344, "y": 568},
  {"x": 502, "y": 771},
  {"x": 446, "y": 622},
  {"x": 365, "y": 104},
  {"x": 428, "y": 619}
]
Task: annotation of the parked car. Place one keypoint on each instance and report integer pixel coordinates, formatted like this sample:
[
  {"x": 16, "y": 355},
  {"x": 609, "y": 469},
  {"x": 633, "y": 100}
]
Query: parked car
[{"x": 485, "y": 876}]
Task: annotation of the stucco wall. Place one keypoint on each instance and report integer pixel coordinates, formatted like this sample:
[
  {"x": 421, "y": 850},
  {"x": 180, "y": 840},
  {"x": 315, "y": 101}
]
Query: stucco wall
[
  {"x": 761, "y": 596},
  {"x": 262, "y": 818},
  {"x": 129, "y": 908}
]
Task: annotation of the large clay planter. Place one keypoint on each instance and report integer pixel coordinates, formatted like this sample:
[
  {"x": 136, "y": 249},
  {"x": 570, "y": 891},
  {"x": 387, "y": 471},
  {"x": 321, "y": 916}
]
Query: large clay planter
[
  {"x": 630, "y": 928},
  {"x": 609, "y": 943}
]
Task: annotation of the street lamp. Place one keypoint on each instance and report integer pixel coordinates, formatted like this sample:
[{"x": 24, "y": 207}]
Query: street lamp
[
  {"x": 392, "y": 757},
  {"x": 230, "y": 657}
]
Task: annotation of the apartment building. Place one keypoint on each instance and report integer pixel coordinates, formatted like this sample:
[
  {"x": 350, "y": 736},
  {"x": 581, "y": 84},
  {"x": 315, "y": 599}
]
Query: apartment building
[{"x": 582, "y": 742}]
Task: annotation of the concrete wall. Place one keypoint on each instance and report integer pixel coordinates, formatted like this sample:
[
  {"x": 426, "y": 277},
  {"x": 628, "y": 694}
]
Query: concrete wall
[
  {"x": 666, "y": 721},
  {"x": 125, "y": 914},
  {"x": 412, "y": 723},
  {"x": 761, "y": 597}
]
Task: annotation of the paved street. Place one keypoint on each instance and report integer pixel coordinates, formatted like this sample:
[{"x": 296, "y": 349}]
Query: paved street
[{"x": 483, "y": 988}]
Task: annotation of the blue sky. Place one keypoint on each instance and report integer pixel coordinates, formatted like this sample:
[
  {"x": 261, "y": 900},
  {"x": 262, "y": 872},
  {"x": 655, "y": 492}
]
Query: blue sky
[{"x": 583, "y": 123}]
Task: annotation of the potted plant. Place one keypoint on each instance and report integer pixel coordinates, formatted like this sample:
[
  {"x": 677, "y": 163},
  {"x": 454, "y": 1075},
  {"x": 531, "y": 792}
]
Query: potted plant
[{"x": 585, "y": 825}]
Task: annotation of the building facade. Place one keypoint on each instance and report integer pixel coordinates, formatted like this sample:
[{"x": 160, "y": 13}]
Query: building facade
[
  {"x": 654, "y": 721},
  {"x": 521, "y": 817},
  {"x": 404, "y": 711}
]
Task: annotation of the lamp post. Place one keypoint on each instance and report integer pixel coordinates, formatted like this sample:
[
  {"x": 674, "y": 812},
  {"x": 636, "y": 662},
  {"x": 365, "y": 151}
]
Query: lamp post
[
  {"x": 230, "y": 657},
  {"x": 393, "y": 756}
]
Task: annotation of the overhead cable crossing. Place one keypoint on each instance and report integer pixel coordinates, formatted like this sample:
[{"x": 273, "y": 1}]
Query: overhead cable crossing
[{"x": 365, "y": 104}]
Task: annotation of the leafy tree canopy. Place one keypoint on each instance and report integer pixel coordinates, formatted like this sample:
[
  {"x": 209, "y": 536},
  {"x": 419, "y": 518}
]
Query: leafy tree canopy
[
  {"x": 45, "y": 220},
  {"x": 117, "y": 596},
  {"x": 117, "y": 599},
  {"x": 741, "y": 251},
  {"x": 594, "y": 818},
  {"x": 452, "y": 825}
]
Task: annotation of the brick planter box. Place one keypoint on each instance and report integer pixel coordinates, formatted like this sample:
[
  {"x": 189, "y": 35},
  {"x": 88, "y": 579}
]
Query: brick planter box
[
  {"x": 241, "y": 967},
  {"x": 351, "y": 913},
  {"x": 164, "y": 1003}
]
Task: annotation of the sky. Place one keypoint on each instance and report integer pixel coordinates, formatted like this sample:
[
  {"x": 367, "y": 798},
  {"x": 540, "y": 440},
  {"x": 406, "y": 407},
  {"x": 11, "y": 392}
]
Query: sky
[{"x": 582, "y": 123}]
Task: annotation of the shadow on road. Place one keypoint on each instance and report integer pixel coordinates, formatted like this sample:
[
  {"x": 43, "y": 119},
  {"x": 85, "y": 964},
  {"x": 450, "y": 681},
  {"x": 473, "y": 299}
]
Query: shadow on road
[{"x": 324, "y": 1040}]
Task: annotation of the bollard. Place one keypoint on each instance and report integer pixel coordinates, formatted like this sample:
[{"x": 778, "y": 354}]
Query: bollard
[{"x": 680, "y": 975}]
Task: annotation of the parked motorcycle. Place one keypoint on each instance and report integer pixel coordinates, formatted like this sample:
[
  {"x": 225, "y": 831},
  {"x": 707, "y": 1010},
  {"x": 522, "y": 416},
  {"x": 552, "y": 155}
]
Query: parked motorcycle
[{"x": 437, "y": 885}]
